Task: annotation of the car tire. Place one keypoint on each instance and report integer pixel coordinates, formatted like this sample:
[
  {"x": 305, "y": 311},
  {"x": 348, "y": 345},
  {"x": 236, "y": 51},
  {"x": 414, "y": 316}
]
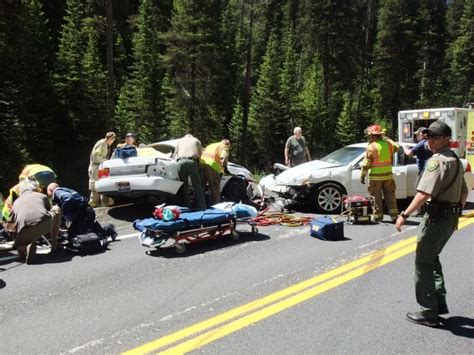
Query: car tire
[
  {"x": 327, "y": 198},
  {"x": 235, "y": 190}
]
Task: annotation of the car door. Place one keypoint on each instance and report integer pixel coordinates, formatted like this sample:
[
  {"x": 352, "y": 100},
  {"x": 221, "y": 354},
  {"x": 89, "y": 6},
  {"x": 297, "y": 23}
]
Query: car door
[
  {"x": 357, "y": 188},
  {"x": 400, "y": 174}
]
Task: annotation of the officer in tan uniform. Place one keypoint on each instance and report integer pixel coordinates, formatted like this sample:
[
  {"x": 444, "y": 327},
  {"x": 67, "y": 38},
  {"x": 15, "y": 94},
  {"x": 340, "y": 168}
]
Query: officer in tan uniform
[
  {"x": 443, "y": 188},
  {"x": 188, "y": 153},
  {"x": 99, "y": 154}
]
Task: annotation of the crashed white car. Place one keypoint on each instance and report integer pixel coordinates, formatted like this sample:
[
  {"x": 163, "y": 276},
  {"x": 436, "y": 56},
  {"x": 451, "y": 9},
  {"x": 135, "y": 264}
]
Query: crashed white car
[
  {"x": 322, "y": 183},
  {"x": 153, "y": 174}
]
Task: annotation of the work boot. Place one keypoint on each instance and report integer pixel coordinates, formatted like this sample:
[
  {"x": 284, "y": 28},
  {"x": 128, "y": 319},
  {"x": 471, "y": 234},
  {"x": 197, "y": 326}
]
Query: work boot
[
  {"x": 30, "y": 253},
  {"x": 443, "y": 309},
  {"x": 420, "y": 318}
]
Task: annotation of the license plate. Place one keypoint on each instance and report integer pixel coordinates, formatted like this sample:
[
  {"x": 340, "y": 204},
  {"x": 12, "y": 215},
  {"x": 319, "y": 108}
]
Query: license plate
[{"x": 123, "y": 186}]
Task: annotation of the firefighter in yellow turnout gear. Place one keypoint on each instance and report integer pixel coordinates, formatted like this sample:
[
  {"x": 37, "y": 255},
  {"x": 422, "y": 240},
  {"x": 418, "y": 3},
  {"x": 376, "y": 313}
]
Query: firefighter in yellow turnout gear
[
  {"x": 41, "y": 173},
  {"x": 377, "y": 165},
  {"x": 213, "y": 165}
]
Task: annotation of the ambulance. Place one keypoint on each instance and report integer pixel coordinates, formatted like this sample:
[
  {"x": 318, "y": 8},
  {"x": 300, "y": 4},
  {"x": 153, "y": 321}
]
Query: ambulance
[
  {"x": 456, "y": 118},
  {"x": 461, "y": 121}
]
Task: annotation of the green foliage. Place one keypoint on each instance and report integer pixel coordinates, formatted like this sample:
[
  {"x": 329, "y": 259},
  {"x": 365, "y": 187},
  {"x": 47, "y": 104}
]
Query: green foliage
[
  {"x": 267, "y": 123},
  {"x": 462, "y": 65},
  {"x": 345, "y": 130},
  {"x": 139, "y": 105},
  {"x": 243, "y": 69}
]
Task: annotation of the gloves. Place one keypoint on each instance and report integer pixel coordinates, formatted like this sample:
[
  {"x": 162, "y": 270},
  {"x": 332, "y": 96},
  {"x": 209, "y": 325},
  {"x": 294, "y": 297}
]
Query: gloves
[{"x": 362, "y": 180}]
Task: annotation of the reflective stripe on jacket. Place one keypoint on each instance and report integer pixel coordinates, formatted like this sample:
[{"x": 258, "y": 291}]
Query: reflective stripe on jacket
[
  {"x": 212, "y": 156},
  {"x": 380, "y": 168}
]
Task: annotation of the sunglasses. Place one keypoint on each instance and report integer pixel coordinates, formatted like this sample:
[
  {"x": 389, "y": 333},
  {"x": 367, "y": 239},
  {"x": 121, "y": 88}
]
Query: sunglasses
[{"x": 434, "y": 136}]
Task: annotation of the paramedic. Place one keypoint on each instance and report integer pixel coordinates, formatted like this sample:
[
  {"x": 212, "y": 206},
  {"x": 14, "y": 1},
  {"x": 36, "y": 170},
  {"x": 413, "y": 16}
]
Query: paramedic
[
  {"x": 296, "y": 151},
  {"x": 213, "y": 165},
  {"x": 443, "y": 188},
  {"x": 187, "y": 154},
  {"x": 77, "y": 213},
  {"x": 34, "y": 217},
  {"x": 377, "y": 164},
  {"x": 421, "y": 151},
  {"x": 99, "y": 154}
]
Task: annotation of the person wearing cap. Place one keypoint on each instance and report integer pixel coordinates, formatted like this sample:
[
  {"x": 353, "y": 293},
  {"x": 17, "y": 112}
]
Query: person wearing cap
[
  {"x": 99, "y": 154},
  {"x": 443, "y": 188},
  {"x": 213, "y": 165},
  {"x": 296, "y": 151},
  {"x": 187, "y": 154},
  {"x": 129, "y": 141},
  {"x": 377, "y": 165}
]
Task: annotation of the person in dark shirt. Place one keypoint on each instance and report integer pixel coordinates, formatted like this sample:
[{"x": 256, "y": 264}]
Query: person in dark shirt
[
  {"x": 77, "y": 213},
  {"x": 421, "y": 151}
]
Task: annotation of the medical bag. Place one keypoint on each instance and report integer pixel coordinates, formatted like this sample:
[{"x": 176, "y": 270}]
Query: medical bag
[
  {"x": 88, "y": 243},
  {"x": 327, "y": 228}
]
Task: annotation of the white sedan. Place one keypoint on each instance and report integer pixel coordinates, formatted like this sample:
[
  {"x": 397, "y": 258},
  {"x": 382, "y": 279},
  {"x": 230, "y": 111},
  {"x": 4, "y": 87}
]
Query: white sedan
[
  {"x": 322, "y": 183},
  {"x": 154, "y": 174}
]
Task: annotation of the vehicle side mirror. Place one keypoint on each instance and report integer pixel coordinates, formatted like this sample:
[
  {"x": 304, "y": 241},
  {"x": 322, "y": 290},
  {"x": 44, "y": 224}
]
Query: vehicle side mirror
[{"x": 357, "y": 166}]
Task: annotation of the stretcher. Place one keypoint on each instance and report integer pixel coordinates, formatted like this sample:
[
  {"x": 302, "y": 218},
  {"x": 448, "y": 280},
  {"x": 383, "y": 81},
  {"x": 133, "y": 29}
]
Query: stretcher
[{"x": 191, "y": 227}]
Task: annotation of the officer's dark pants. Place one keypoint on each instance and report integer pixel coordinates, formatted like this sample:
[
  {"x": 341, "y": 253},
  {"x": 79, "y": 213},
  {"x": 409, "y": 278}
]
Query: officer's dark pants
[
  {"x": 429, "y": 281},
  {"x": 189, "y": 169},
  {"x": 85, "y": 222}
]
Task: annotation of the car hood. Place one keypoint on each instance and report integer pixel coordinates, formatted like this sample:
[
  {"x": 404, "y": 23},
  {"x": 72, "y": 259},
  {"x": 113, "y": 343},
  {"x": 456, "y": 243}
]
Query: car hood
[{"x": 305, "y": 173}]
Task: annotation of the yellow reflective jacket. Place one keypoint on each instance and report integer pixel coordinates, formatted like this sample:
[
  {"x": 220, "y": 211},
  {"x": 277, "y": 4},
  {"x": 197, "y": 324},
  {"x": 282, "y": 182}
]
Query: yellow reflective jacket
[
  {"x": 215, "y": 155},
  {"x": 378, "y": 159}
]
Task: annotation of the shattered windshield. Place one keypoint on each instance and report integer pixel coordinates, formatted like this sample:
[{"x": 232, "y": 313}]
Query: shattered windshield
[{"x": 344, "y": 155}]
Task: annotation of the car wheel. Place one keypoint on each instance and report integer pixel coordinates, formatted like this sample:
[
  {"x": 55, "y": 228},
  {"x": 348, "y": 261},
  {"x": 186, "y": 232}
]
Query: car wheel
[
  {"x": 327, "y": 198},
  {"x": 235, "y": 190}
]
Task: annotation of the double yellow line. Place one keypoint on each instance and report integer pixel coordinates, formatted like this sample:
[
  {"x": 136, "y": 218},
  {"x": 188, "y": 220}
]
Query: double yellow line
[{"x": 231, "y": 321}]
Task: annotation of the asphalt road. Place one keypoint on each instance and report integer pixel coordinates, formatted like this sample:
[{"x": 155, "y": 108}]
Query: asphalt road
[{"x": 129, "y": 296}]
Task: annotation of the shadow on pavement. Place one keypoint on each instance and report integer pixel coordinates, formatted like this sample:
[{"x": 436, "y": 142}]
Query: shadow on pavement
[
  {"x": 57, "y": 257},
  {"x": 460, "y": 326},
  {"x": 206, "y": 246},
  {"x": 131, "y": 212},
  {"x": 2, "y": 284}
]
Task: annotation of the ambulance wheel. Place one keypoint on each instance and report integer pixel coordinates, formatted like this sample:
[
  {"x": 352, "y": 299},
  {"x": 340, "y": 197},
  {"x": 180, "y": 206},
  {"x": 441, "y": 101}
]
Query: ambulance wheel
[
  {"x": 234, "y": 235},
  {"x": 327, "y": 197},
  {"x": 180, "y": 248}
]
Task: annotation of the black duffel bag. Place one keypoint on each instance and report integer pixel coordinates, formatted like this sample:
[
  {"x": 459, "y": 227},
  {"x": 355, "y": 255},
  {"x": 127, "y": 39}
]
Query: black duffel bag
[{"x": 88, "y": 243}]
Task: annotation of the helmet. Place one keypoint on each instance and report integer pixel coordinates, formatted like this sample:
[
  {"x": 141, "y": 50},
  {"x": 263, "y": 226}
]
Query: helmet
[{"x": 375, "y": 129}]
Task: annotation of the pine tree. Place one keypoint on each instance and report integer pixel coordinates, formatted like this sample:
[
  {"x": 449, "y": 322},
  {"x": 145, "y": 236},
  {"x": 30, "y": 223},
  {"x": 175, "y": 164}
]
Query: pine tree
[
  {"x": 462, "y": 65},
  {"x": 81, "y": 86},
  {"x": 345, "y": 123},
  {"x": 195, "y": 57},
  {"x": 396, "y": 56},
  {"x": 139, "y": 105},
  {"x": 36, "y": 99},
  {"x": 11, "y": 127},
  {"x": 432, "y": 47},
  {"x": 267, "y": 124},
  {"x": 315, "y": 118}
]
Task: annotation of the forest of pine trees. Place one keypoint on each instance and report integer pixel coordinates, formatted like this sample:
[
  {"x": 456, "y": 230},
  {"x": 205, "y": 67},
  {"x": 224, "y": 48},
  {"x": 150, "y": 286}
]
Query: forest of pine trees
[{"x": 249, "y": 70}]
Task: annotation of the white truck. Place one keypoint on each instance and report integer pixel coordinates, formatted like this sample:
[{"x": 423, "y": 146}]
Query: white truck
[{"x": 457, "y": 118}]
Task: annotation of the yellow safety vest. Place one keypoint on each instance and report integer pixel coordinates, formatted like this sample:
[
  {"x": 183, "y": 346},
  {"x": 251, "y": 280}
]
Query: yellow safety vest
[
  {"x": 212, "y": 156},
  {"x": 31, "y": 171},
  {"x": 381, "y": 167}
]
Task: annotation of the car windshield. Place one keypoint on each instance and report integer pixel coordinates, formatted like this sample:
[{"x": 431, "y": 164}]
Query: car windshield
[{"x": 344, "y": 155}]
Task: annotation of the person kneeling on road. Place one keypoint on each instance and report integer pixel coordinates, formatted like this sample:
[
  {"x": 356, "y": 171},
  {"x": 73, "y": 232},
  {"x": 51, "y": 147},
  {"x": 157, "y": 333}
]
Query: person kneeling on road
[
  {"x": 34, "y": 216},
  {"x": 77, "y": 213}
]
